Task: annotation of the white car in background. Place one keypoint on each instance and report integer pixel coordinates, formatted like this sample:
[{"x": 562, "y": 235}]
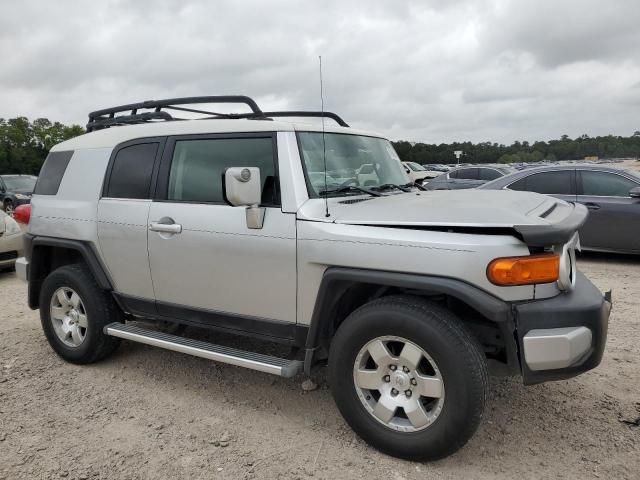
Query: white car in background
[
  {"x": 11, "y": 242},
  {"x": 418, "y": 174}
]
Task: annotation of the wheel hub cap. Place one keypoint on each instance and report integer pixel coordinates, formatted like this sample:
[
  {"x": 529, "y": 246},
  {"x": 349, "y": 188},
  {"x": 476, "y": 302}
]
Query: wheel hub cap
[
  {"x": 68, "y": 316},
  {"x": 400, "y": 380},
  {"x": 399, "y": 383}
]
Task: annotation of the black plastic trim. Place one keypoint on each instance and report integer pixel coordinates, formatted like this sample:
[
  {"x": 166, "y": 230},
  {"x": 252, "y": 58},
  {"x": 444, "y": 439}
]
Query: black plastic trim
[
  {"x": 556, "y": 234},
  {"x": 336, "y": 280},
  {"x": 37, "y": 264},
  {"x": 584, "y": 306},
  {"x": 264, "y": 328}
]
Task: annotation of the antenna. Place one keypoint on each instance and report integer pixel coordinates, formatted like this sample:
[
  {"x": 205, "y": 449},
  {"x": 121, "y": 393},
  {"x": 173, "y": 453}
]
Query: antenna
[{"x": 324, "y": 149}]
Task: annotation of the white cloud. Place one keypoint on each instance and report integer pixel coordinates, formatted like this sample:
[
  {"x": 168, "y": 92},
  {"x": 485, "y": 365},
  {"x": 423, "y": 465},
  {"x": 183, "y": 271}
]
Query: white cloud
[{"x": 426, "y": 71}]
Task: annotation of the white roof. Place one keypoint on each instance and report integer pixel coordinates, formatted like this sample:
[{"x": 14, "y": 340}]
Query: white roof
[{"x": 112, "y": 136}]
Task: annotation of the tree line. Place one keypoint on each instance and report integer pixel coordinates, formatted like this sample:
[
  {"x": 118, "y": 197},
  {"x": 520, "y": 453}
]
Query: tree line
[
  {"x": 24, "y": 145},
  {"x": 609, "y": 146}
]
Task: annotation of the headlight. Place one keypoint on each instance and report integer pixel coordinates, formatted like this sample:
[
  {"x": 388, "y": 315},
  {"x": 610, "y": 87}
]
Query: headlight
[
  {"x": 21, "y": 196},
  {"x": 11, "y": 227}
]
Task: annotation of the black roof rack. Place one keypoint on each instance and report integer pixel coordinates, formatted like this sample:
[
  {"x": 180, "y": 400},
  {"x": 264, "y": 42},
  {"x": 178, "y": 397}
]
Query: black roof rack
[{"x": 107, "y": 117}]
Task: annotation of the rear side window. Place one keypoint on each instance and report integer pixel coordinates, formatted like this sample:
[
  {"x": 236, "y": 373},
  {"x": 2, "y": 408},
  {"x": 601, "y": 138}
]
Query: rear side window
[
  {"x": 198, "y": 166},
  {"x": 468, "y": 174},
  {"x": 489, "y": 174},
  {"x": 131, "y": 172},
  {"x": 604, "y": 184},
  {"x": 549, "y": 183},
  {"x": 52, "y": 172}
]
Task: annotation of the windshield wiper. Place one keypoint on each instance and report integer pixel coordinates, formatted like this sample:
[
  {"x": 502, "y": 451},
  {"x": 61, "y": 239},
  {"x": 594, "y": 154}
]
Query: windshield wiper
[
  {"x": 392, "y": 186},
  {"x": 419, "y": 187},
  {"x": 349, "y": 188}
]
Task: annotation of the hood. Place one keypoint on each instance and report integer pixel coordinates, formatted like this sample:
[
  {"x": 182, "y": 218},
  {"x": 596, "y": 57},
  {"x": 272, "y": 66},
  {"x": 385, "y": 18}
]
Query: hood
[
  {"x": 23, "y": 191},
  {"x": 539, "y": 219}
]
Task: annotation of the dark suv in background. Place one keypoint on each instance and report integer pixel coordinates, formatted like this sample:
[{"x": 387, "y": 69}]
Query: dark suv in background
[{"x": 15, "y": 190}]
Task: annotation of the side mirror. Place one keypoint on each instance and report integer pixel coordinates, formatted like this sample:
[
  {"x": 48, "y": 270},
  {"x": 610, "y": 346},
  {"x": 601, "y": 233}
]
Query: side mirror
[
  {"x": 634, "y": 192},
  {"x": 243, "y": 188}
]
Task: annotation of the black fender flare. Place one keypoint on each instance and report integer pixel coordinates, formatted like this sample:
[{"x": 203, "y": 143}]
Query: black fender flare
[
  {"x": 36, "y": 264},
  {"x": 336, "y": 280}
]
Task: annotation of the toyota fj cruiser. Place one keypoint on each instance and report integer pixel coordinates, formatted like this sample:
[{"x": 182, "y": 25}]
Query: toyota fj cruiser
[{"x": 257, "y": 226}]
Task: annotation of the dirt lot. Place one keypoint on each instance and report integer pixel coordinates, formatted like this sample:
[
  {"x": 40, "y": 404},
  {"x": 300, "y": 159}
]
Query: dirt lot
[{"x": 148, "y": 413}]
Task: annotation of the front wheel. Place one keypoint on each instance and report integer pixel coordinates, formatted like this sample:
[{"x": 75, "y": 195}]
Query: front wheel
[{"x": 408, "y": 377}]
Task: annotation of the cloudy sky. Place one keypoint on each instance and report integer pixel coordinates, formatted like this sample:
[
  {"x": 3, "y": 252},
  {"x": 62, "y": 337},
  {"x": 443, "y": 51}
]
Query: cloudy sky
[{"x": 432, "y": 71}]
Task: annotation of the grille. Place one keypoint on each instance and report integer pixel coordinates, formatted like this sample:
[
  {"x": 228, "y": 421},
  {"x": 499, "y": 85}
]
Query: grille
[{"x": 8, "y": 255}]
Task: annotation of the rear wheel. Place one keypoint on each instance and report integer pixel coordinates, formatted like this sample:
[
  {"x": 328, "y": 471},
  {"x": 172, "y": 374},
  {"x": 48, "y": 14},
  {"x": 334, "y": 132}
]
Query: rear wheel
[
  {"x": 74, "y": 311},
  {"x": 408, "y": 378}
]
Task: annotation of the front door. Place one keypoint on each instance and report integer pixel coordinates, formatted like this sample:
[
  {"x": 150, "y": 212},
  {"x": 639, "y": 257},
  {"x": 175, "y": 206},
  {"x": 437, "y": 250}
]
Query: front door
[
  {"x": 614, "y": 216},
  {"x": 206, "y": 265}
]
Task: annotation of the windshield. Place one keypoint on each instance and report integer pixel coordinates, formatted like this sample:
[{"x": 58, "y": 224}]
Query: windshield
[
  {"x": 351, "y": 160},
  {"x": 25, "y": 183}
]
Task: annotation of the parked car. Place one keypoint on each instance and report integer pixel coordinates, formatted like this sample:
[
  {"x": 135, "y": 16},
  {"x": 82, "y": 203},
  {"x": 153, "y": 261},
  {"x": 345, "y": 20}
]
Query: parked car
[
  {"x": 406, "y": 296},
  {"x": 11, "y": 241},
  {"x": 436, "y": 167},
  {"x": 467, "y": 177},
  {"x": 612, "y": 196},
  {"x": 418, "y": 174},
  {"x": 15, "y": 190}
]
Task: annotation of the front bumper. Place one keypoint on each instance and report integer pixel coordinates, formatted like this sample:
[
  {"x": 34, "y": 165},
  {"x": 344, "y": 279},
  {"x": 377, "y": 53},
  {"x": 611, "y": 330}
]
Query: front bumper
[{"x": 563, "y": 336}]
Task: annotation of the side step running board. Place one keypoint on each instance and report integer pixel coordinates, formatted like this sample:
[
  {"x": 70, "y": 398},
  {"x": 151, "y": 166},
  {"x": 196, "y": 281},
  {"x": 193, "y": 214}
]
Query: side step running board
[{"x": 220, "y": 353}]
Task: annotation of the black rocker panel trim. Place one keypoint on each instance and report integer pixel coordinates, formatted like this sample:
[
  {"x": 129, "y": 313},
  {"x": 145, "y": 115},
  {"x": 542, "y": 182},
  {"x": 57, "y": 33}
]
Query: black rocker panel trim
[{"x": 264, "y": 328}]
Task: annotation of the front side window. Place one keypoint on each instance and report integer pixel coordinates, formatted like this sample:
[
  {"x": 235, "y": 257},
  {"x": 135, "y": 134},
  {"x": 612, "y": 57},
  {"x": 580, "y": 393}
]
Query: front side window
[
  {"x": 602, "y": 184},
  {"x": 489, "y": 174},
  {"x": 345, "y": 156},
  {"x": 548, "y": 183},
  {"x": 198, "y": 166}
]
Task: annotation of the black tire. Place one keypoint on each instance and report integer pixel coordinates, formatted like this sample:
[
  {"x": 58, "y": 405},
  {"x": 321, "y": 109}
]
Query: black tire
[
  {"x": 100, "y": 307},
  {"x": 457, "y": 354}
]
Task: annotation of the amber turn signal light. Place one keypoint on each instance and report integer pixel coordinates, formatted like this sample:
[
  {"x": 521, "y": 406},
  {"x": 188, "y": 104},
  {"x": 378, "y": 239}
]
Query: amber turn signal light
[{"x": 524, "y": 270}]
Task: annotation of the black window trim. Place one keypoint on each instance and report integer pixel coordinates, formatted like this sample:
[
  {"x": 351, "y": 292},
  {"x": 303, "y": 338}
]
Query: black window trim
[
  {"x": 579, "y": 186},
  {"x": 572, "y": 173},
  {"x": 160, "y": 192},
  {"x": 161, "y": 141}
]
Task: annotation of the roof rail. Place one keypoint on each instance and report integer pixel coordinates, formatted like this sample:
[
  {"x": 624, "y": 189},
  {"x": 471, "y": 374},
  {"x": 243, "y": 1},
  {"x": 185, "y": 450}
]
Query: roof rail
[{"x": 107, "y": 117}]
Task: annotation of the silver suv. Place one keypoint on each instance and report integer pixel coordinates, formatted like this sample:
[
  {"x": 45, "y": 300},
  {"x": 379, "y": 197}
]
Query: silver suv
[{"x": 255, "y": 226}]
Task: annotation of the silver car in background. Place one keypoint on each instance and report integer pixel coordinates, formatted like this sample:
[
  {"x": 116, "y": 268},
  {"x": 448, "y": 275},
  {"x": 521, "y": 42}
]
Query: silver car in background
[
  {"x": 468, "y": 177},
  {"x": 612, "y": 196}
]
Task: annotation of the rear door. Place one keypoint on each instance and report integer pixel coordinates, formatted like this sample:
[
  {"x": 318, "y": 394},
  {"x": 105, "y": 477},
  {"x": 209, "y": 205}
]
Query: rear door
[
  {"x": 213, "y": 269},
  {"x": 123, "y": 212},
  {"x": 614, "y": 216}
]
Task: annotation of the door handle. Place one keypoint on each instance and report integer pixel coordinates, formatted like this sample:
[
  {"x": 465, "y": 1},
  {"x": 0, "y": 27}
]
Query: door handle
[
  {"x": 592, "y": 206},
  {"x": 165, "y": 227}
]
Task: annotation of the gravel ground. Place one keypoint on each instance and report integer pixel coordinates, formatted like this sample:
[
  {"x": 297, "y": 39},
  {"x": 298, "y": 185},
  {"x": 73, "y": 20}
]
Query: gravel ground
[{"x": 148, "y": 413}]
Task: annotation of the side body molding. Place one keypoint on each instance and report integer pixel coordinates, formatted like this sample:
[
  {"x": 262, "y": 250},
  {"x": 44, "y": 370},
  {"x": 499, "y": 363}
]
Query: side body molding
[{"x": 337, "y": 280}]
